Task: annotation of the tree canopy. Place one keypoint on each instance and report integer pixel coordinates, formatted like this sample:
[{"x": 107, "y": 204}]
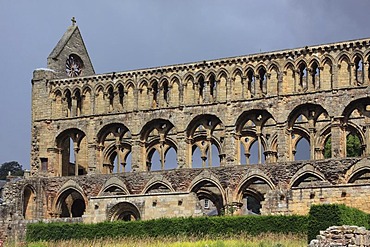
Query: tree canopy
[{"x": 13, "y": 167}]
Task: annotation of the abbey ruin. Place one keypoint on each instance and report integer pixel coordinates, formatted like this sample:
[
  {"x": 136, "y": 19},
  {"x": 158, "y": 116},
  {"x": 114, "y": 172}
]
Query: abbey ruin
[{"x": 268, "y": 133}]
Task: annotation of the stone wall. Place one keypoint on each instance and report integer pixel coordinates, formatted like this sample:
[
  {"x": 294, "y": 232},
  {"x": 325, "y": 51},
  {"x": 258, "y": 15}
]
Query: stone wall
[{"x": 342, "y": 236}]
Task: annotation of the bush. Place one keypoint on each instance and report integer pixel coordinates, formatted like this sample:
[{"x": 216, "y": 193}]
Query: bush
[
  {"x": 170, "y": 227},
  {"x": 323, "y": 216}
]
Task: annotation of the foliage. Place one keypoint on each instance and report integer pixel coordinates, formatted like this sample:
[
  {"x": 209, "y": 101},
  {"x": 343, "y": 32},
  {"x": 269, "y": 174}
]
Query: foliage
[
  {"x": 13, "y": 167},
  {"x": 327, "y": 148},
  {"x": 353, "y": 146},
  {"x": 323, "y": 216},
  {"x": 170, "y": 227}
]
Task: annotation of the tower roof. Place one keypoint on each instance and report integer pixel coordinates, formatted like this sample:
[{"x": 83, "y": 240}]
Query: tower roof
[{"x": 71, "y": 44}]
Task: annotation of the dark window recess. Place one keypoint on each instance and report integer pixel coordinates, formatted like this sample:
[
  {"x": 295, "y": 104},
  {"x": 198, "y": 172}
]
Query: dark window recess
[{"x": 44, "y": 164}]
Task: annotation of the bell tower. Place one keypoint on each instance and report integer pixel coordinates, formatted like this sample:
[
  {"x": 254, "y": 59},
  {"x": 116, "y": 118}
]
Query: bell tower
[{"x": 70, "y": 58}]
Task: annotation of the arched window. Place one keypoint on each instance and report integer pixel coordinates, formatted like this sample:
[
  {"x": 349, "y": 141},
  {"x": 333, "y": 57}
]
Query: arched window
[
  {"x": 251, "y": 83},
  {"x": 302, "y": 86},
  {"x": 315, "y": 75},
  {"x": 155, "y": 94},
  {"x": 212, "y": 87},
  {"x": 111, "y": 98},
  {"x": 165, "y": 92},
  {"x": 201, "y": 89},
  {"x": 68, "y": 102},
  {"x": 358, "y": 70},
  {"x": 120, "y": 95},
  {"x": 302, "y": 150},
  {"x": 262, "y": 81}
]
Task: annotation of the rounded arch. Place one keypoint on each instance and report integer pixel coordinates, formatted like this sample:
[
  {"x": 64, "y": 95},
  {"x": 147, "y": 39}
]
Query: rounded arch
[
  {"x": 159, "y": 124},
  {"x": 29, "y": 202},
  {"x": 248, "y": 179},
  {"x": 117, "y": 129},
  {"x": 207, "y": 120},
  {"x": 251, "y": 191},
  {"x": 309, "y": 110},
  {"x": 157, "y": 186},
  {"x": 358, "y": 104},
  {"x": 257, "y": 116},
  {"x": 71, "y": 200},
  {"x": 303, "y": 173},
  {"x": 114, "y": 186},
  {"x": 125, "y": 211},
  {"x": 209, "y": 188}
]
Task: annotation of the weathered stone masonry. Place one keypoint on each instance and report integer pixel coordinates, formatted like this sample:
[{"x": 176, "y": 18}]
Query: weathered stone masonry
[{"x": 169, "y": 141}]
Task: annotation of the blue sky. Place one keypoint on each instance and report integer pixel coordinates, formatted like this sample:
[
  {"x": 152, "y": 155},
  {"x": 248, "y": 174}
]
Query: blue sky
[{"x": 122, "y": 35}]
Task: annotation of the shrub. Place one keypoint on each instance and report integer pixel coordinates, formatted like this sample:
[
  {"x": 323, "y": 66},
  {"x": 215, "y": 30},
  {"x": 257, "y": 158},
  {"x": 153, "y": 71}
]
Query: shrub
[
  {"x": 170, "y": 227},
  {"x": 323, "y": 216}
]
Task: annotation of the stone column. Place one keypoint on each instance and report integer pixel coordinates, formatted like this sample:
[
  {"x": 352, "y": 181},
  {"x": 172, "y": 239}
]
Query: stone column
[
  {"x": 229, "y": 90},
  {"x": 367, "y": 137},
  {"x": 76, "y": 149},
  {"x": 138, "y": 162},
  {"x": 338, "y": 138},
  {"x": 365, "y": 73},
  {"x": 181, "y": 151},
  {"x": 229, "y": 146},
  {"x": 116, "y": 102},
  {"x": 282, "y": 143},
  {"x": 74, "y": 107},
  {"x": 280, "y": 83},
  {"x": 335, "y": 76}
]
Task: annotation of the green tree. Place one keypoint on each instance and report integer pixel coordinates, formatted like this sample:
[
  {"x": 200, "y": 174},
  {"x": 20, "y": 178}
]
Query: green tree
[
  {"x": 327, "y": 148},
  {"x": 354, "y": 148},
  {"x": 13, "y": 167}
]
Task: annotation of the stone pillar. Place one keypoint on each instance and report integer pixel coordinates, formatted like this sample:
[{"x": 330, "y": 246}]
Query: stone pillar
[
  {"x": 181, "y": 151},
  {"x": 229, "y": 90},
  {"x": 116, "y": 102},
  {"x": 365, "y": 73},
  {"x": 189, "y": 160},
  {"x": 366, "y": 152},
  {"x": 138, "y": 162},
  {"x": 75, "y": 150},
  {"x": 257, "y": 86},
  {"x": 229, "y": 147},
  {"x": 282, "y": 143},
  {"x": 53, "y": 154},
  {"x": 312, "y": 131},
  {"x": 209, "y": 152},
  {"x": 338, "y": 138},
  {"x": 237, "y": 149},
  {"x": 280, "y": 83},
  {"x": 335, "y": 76}
]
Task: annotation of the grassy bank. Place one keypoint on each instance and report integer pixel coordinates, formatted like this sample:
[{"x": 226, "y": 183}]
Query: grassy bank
[{"x": 263, "y": 240}]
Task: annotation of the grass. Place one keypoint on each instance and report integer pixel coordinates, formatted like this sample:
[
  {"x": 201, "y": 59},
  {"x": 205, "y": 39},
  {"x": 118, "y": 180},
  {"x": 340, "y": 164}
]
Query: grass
[{"x": 265, "y": 240}]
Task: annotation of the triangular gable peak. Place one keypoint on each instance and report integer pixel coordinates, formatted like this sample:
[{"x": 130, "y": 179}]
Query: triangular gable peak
[{"x": 70, "y": 58}]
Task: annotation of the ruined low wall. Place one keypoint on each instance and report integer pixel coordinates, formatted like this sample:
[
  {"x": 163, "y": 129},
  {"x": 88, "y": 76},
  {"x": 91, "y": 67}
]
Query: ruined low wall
[{"x": 342, "y": 236}]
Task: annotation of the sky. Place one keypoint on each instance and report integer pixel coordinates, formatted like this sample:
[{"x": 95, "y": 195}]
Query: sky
[{"x": 123, "y": 35}]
